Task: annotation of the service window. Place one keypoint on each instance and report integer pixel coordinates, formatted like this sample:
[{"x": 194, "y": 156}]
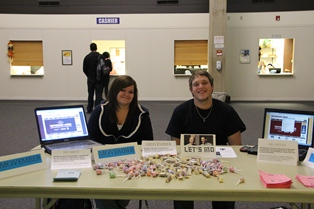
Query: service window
[
  {"x": 189, "y": 56},
  {"x": 116, "y": 49},
  {"x": 276, "y": 56},
  {"x": 26, "y": 58}
]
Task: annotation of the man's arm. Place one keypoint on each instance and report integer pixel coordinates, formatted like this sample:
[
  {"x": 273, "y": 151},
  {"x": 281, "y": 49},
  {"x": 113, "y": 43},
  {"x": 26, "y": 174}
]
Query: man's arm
[
  {"x": 175, "y": 139},
  {"x": 235, "y": 139},
  {"x": 85, "y": 66}
]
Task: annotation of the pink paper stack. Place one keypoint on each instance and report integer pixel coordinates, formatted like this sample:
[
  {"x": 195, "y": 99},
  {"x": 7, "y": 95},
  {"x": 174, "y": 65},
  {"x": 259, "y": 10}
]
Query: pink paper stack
[
  {"x": 307, "y": 181},
  {"x": 275, "y": 180}
]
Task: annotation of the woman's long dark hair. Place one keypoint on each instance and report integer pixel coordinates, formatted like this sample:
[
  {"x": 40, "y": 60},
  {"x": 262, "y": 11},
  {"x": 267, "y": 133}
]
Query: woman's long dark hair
[{"x": 117, "y": 85}]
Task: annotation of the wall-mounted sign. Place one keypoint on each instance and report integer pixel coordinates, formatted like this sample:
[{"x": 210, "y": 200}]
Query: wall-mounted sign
[
  {"x": 219, "y": 39},
  {"x": 66, "y": 57},
  {"x": 219, "y": 52},
  {"x": 245, "y": 56},
  {"x": 219, "y": 42},
  {"x": 108, "y": 20}
]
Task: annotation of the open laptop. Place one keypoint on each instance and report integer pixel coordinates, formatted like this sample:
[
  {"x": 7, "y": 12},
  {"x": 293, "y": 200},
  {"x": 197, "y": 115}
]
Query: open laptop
[
  {"x": 296, "y": 125},
  {"x": 63, "y": 127}
]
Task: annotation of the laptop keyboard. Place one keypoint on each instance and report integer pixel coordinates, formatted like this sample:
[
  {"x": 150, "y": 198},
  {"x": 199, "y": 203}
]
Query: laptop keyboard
[{"x": 70, "y": 144}]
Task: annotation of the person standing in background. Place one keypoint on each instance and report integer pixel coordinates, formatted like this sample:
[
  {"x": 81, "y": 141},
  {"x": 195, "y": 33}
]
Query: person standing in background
[
  {"x": 106, "y": 78},
  {"x": 93, "y": 86}
]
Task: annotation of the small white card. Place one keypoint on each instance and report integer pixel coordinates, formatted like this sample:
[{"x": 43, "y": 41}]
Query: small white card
[
  {"x": 278, "y": 152},
  {"x": 68, "y": 175},
  {"x": 203, "y": 145},
  {"x": 68, "y": 159},
  {"x": 309, "y": 159},
  {"x": 113, "y": 152},
  {"x": 151, "y": 148},
  {"x": 12, "y": 165},
  {"x": 225, "y": 152}
]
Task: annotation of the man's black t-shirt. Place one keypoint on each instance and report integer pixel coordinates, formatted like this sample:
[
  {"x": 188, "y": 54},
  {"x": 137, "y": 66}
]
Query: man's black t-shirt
[{"x": 223, "y": 121}]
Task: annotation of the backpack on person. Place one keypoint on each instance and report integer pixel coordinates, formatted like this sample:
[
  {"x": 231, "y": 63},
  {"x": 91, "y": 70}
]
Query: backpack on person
[{"x": 102, "y": 69}]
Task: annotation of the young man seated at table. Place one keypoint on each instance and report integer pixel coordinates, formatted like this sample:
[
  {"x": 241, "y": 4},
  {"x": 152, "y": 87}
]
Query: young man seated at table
[{"x": 205, "y": 115}]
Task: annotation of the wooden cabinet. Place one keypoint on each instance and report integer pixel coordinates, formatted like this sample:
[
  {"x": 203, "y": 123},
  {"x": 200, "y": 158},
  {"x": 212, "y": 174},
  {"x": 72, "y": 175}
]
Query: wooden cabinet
[{"x": 288, "y": 56}]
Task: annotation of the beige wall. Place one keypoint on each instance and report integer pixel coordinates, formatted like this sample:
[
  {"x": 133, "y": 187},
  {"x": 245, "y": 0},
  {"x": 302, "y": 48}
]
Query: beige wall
[{"x": 149, "y": 42}]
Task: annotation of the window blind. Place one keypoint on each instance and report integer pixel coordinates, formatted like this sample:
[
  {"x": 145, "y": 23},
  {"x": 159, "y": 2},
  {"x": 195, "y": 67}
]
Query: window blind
[
  {"x": 190, "y": 52},
  {"x": 28, "y": 53}
]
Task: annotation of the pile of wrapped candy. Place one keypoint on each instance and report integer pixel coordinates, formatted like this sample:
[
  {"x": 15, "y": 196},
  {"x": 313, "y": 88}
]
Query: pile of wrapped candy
[{"x": 168, "y": 167}]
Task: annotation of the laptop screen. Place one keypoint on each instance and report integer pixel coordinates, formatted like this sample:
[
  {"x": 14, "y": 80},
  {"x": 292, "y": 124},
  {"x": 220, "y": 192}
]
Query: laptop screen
[
  {"x": 293, "y": 125},
  {"x": 61, "y": 123}
]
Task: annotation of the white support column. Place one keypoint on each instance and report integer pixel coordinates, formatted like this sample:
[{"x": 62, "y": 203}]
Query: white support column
[{"x": 216, "y": 42}]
